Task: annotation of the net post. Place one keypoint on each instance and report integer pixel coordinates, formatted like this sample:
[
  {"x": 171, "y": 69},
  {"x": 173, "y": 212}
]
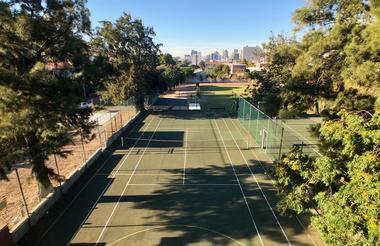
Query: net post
[
  {"x": 122, "y": 141},
  {"x": 302, "y": 147},
  {"x": 100, "y": 136},
  {"x": 280, "y": 147}
]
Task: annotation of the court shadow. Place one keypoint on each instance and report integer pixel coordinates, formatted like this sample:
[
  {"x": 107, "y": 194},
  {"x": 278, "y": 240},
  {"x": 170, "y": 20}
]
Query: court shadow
[{"x": 204, "y": 212}]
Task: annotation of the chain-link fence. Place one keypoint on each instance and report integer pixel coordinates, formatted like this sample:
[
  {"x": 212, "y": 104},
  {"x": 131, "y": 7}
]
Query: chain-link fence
[
  {"x": 21, "y": 194},
  {"x": 272, "y": 135}
]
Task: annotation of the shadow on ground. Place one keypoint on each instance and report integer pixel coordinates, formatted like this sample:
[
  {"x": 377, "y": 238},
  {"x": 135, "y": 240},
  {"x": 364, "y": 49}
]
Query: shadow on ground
[{"x": 217, "y": 208}]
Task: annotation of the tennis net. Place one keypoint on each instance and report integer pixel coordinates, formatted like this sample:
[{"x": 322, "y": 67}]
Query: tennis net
[{"x": 182, "y": 144}]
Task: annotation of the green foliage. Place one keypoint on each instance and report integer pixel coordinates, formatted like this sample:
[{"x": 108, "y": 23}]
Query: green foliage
[
  {"x": 202, "y": 65},
  {"x": 220, "y": 71},
  {"x": 167, "y": 59},
  {"x": 339, "y": 61},
  {"x": 342, "y": 185},
  {"x": 38, "y": 107},
  {"x": 127, "y": 46}
]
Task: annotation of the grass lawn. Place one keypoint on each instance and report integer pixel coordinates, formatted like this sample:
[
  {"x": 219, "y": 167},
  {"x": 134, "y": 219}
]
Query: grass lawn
[{"x": 220, "y": 95}]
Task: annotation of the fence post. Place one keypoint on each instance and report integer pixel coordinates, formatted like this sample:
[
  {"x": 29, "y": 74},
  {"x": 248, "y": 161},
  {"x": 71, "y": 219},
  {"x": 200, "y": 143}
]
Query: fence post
[
  {"x": 243, "y": 113},
  {"x": 115, "y": 123},
  {"x": 56, "y": 164},
  {"x": 23, "y": 197},
  {"x": 249, "y": 126},
  {"x": 257, "y": 124},
  {"x": 280, "y": 147},
  {"x": 121, "y": 119},
  {"x": 111, "y": 123},
  {"x": 100, "y": 136},
  {"x": 84, "y": 152}
]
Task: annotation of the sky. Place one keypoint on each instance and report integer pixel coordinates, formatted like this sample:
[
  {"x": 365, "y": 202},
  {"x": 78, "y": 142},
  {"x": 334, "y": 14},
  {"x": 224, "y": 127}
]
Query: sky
[{"x": 203, "y": 25}]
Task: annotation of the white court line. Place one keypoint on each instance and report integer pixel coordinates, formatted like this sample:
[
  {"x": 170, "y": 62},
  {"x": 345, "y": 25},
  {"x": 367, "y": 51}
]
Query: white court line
[
  {"x": 241, "y": 188},
  {"x": 262, "y": 192},
  {"x": 125, "y": 187},
  {"x": 105, "y": 189},
  {"x": 184, "y": 160},
  {"x": 77, "y": 195},
  {"x": 270, "y": 178}
]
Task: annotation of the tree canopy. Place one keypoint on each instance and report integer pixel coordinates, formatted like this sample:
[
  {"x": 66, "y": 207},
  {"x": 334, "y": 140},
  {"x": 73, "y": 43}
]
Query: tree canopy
[
  {"x": 39, "y": 106},
  {"x": 336, "y": 64},
  {"x": 127, "y": 47}
]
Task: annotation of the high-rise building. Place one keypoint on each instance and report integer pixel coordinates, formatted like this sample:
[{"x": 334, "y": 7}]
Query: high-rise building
[
  {"x": 215, "y": 56},
  {"x": 225, "y": 54},
  {"x": 247, "y": 52},
  {"x": 195, "y": 57},
  {"x": 187, "y": 58},
  {"x": 235, "y": 55}
]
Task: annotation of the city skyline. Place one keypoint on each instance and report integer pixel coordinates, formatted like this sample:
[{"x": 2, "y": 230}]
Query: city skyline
[{"x": 188, "y": 25}]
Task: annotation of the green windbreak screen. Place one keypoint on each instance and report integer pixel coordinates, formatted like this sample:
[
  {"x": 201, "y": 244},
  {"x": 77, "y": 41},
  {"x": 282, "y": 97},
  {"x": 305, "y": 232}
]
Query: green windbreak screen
[{"x": 271, "y": 134}]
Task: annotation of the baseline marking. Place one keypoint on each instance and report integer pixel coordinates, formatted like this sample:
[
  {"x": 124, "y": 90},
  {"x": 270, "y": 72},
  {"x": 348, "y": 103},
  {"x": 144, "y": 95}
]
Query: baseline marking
[
  {"x": 125, "y": 187},
  {"x": 262, "y": 192},
  {"x": 190, "y": 226},
  {"x": 241, "y": 188}
]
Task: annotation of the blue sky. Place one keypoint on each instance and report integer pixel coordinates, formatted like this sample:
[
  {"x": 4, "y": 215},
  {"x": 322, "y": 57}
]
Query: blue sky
[{"x": 203, "y": 25}]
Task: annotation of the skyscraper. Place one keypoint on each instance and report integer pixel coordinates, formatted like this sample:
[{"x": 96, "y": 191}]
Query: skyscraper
[
  {"x": 235, "y": 55},
  {"x": 215, "y": 56},
  {"x": 247, "y": 52},
  {"x": 225, "y": 54},
  {"x": 195, "y": 57}
]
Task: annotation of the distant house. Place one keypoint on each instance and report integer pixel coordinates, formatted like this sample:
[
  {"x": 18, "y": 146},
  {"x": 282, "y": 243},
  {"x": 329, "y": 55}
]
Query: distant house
[
  {"x": 61, "y": 68},
  {"x": 234, "y": 67},
  {"x": 237, "y": 68}
]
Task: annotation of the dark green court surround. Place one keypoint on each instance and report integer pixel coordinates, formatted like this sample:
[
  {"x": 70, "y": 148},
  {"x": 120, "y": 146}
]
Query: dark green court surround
[{"x": 182, "y": 178}]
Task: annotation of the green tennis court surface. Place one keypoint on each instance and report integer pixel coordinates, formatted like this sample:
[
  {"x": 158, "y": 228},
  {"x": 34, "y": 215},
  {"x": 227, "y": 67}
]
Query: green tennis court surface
[{"x": 181, "y": 178}]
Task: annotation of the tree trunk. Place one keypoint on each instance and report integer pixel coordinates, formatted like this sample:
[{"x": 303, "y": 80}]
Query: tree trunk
[
  {"x": 37, "y": 159},
  {"x": 316, "y": 107}
]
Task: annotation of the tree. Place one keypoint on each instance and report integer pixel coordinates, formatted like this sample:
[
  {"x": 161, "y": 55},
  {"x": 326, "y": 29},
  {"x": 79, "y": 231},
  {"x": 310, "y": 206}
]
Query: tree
[
  {"x": 167, "y": 59},
  {"x": 220, "y": 71},
  {"x": 38, "y": 107},
  {"x": 127, "y": 45},
  {"x": 202, "y": 65},
  {"x": 342, "y": 185}
]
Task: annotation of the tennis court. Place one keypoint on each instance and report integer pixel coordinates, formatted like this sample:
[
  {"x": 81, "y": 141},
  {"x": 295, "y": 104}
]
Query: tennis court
[{"x": 180, "y": 178}]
